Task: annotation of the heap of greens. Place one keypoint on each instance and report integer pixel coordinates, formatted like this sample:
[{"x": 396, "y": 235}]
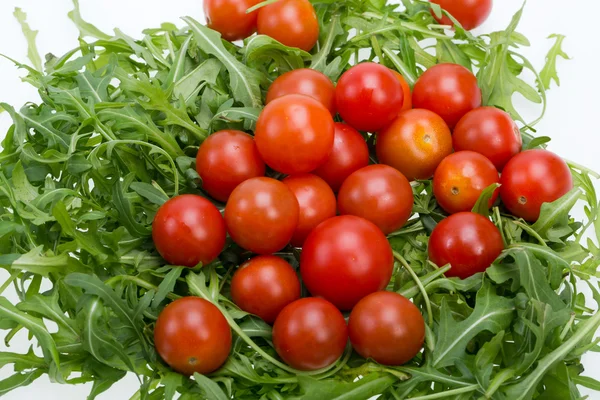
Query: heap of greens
[{"x": 114, "y": 136}]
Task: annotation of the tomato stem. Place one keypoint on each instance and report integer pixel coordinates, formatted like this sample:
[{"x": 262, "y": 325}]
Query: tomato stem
[{"x": 402, "y": 261}]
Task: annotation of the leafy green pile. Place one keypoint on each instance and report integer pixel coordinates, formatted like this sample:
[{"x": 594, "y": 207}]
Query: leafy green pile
[{"x": 115, "y": 135}]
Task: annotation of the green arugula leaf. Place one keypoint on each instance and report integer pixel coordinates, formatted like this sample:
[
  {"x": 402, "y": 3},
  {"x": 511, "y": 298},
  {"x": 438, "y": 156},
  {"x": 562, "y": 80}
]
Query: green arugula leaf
[
  {"x": 30, "y": 35},
  {"x": 549, "y": 73}
]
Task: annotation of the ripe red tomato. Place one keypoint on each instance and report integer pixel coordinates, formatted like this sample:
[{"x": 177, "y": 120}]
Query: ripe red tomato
[
  {"x": 229, "y": 18},
  {"x": 470, "y": 13},
  {"x": 192, "y": 335},
  {"x": 264, "y": 285},
  {"x": 369, "y": 96},
  {"x": 489, "y": 131},
  {"x": 294, "y": 134},
  {"x": 460, "y": 179},
  {"x": 378, "y": 193},
  {"x": 449, "y": 90},
  {"x": 532, "y": 178},
  {"x": 291, "y": 22},
  {"x": 467, "y": 241},
  {"x": 304, "y": 81},
  {"x": 350, "y": 153},
  {"x": 386, "y": 327},
  {"x": 226, "y": 159},
  {"x": 310, "y": 334},
  {"x": 407, "y": 104},
  {"x": 316, "y": 200},
  {"x": 344, "y": 259},
  {"x": 188, "y": 230},
  {"x": 262, "y": 215},
  {"x": 415, "y": 143}
]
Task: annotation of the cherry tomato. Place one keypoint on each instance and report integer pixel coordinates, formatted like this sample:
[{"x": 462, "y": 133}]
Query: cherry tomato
[
  {"x": 489, "y": 131},
  {"x": 415, "y": 143},
  {"x": 304, "y": 81},
  {"x": 449, "y": 90},
  {"x": 188, "y": 230},
  {"x": 229, "y": 18},
  {"x": 316, "y": 200},
  {"x": 350, "y": 153},
  {"x": 294, "y": 134},
  {"x": 532, "y": 178},
  {"x": 226, "y": 159},
  {"x": 460, "y": 179},
  {"x": 264, "y": 285},
  {"x": 192, "y": 335},
  {"x": 386, "y": 327},
  {"x": 262, "y": 215},
  {"x": 467, "y": 241},
  {"x": 291, "y": 22},
  {"x": 344, "y": 259},
  {"x": 377, "y": 193},
  {"x": 407, "y": 104},
  {"x": 369, "y": 96},
  {"x": 310, "y": 334},
  {"x": 470, "y": 13}
]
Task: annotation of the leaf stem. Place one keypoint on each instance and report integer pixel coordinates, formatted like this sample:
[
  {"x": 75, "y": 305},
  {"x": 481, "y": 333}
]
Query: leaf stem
[
  {"x": 530, "y": 231},
  {"x": 402, "y": 261},
  {"x": 447, "y": 394},
  {"x": 141, "y": 283}
]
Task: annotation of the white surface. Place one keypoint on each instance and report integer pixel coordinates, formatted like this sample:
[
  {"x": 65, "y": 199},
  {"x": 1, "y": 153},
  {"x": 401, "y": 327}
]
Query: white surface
[{"x": 571, "y": 120}]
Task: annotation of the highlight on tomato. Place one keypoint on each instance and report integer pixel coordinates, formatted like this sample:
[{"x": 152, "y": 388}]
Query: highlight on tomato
[{"x": 306, "y": 81}]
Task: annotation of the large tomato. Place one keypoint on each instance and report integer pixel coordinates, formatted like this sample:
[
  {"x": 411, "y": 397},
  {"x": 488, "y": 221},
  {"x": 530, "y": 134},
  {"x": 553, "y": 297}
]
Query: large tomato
[
  {"x": 229, "y": 18},
  {"x": 449, "y": 90},
  {"x": 470, "y": 13},
  {"x": 344, "y": 259},
  {"x": 188, "y": 230},
  {"x": 378, "y": 193},
  {"x": 310, "y": 334},
  {"x": 192, "y": 335},
  {"x": 304, "y": 81},
  {"x": 294, "y": 134},
  {"x": 415, "y": 143},
  {"x": 531, "y": 179},
  {"x": 262, "y": 215},
  {"x": 407, "y": 103},
  {"x": 291, "y": 22}
]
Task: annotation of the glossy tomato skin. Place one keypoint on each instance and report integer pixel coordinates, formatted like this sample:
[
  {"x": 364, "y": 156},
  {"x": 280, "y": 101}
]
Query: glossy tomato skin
[
  {"x": 229, "y": 18},
  {"x": 460, "y": 179},
  {"x": 306, "y": 81},
  {"x": 467, "y": 241},
  {"x": 264, "y": 285},
  {"x": 532, "y": 178},
  {"x": 262, "y": 215},
  {"x": 188, "y": 230},
  {"x": 378, "y": 193},
  {"x": 415, "y": 143},
  {"x": 192, "y": 335},
  {"x": 344, "y": 259},
  {"x": 369, "y": 96},
  {"x": 386, "y": 327},
  {"x": 350, "y": 153},
  {"x": 310, "y": 334},
  {"x": 226, "y": 159},
  {"x": 316, "y": 200},
  {"x": 488, "y": 131},
  {"x": 407, "y": 103},
  {"x": 470, "y": 13},
  {"x": 449, "y": 90},
  {"x": 294, "y": 134},
  {"x": 291, "y": 22}
]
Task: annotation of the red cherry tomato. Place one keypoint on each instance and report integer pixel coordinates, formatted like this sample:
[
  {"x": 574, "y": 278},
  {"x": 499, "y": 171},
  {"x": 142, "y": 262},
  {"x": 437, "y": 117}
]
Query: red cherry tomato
[
  {"x": 262, "y": 215},
  {"x": 192, "y": 335},
  {"x": 310, "y": 334},
  {"x": 188, "y": 230},
  {"x": 467, "y": 241},
  {"x": 369, "y": 96},
  {"x": 449, "y": 90},
  {"x": 377, "y": 193},
  {"x": 470, "y": 13},
  {"x": 532, "y": 178},
  {"x": 488, "y": 131},
  {"x": 344, "y": 259},
  {"x": 316, "y": 200},
  {"x": 264, "y": 285},
  {"x": 291, "y": 22},
  {"x": 294, "y": 134},
  {"x": 229, "y": 18},
  {"x": 460, "y": 179},
  {"x": 226, "y": 159},
  {"x": 407, "y": 104},
  {"x": 304, "y": 81},
  {"x": 386, "y": 327}
]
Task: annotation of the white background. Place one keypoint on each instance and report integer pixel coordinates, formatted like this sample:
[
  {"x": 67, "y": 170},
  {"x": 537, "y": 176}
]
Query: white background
[{"x": 572, "y": 119}]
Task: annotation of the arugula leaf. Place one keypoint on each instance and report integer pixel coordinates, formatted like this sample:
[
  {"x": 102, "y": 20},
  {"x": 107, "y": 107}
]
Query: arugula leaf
[
  {"x": 549, "y": 73},
  {"x": 30, "y": 35}
]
